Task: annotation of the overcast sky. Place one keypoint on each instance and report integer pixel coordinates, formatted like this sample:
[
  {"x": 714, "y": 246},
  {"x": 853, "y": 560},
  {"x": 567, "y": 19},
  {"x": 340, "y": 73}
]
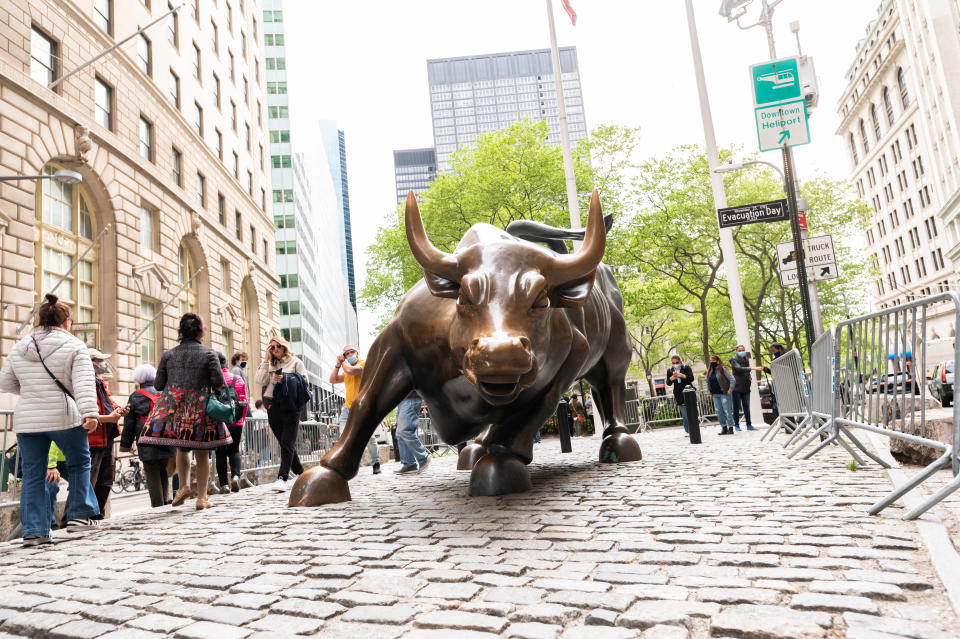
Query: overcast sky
[{"x": 363, "y": 63}]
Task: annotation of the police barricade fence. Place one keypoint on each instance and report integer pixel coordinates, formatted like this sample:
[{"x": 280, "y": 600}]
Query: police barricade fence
[
  {"x": 430, "y": 440},
  {"x": 260, "y": 450},
  {"x": 789, "y": 386},
  {"x": 9, "y": 462},
  {"x": 877, "y": 382},
  {"x": 663, "y": 410}
]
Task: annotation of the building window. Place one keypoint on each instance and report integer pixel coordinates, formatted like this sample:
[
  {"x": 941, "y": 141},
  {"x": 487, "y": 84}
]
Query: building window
[
  {"x": 281, "y": 161},
  {"x": 263, "y": 166},
  {"x": 277, "y": 88},
  {"x": 65, "y": 231},
  {"x": 103, "y": 103},
  {"x": 146, "y": 139},
  {"x": 216, "y": 90},
  {"x": 276, "y": 64},
  {"x": 236, "y": 165},
  {"x": 187, "y": 299},
  {"x": 173, "y": 28},
  {"x": 253, "y": 239},
  {"x": 279, "y": 137},
  {"x": 195, "y": 9},
  {"x": 876, "y": 122},
  {"x": 229, "y": 18},
  {"x": 216, "y": 37},
  {"x": 243, "y": 44},
  {"x": 853, "y": 150},
  {"x": 902, "y": 83},
  {"x": 219, "y": 137},
  {"x": 146, "y": 228},
  {"x": 43, "y": 57},
  {"x": 246, "y": 91},
  {"x": 176, "y": 162},
  {"x": 102, "y": 14},
  {"x": 233, "y": 67},
  {"x": 225, "y": 275},
  {"x": 239, "y": 222},
  {"x": 148, "y": 336},
  {"x": 197, "y": 71},
  {"x": 282, "y": 195},
  {"x": 250, "y": 183},
  {"x": 266, "y": 249},
  {"x": 221, "y": 209},
  {"x": 198, "y": 118},
  {"x": 201, "y": 190},
  {"x": 263, "y": 199},
  {"x": 143, "y": 53},
  {"x": 233, "y": 115},
  {"x": 888, "y": 105},
  {"x": 246, "y": 130},
  {"x": 174, "y": 89},
  {"x": 863, "y": 137}
]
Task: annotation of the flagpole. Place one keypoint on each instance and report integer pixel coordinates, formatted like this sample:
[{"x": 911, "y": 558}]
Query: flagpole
[{"x": 568, "y": 172}]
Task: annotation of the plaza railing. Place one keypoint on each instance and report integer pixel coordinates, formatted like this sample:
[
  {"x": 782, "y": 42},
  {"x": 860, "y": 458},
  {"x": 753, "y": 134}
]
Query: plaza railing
[
  {"x": 792, "y": 394},
  {"x": 662, "y": 410},
  {"x": 435, "y": 446},
  {"x": 631, "y": 416},
  {"x": 260, "y": 450},
  {"x": 876, "y": 383},
  {"x": 9, "y": 466}
]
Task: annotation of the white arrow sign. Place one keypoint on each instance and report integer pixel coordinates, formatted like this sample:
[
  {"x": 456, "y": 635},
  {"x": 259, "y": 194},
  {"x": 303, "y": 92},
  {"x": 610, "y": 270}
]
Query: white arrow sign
[{"x": 820, "y": 260}]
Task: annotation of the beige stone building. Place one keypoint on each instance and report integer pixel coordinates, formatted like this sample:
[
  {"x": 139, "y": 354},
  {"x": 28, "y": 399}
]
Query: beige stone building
[{"x": 168, "y": 132}]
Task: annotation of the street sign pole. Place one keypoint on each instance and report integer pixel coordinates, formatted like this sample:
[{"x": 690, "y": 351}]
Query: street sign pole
[
  {"x": 813, "y": 294},
  {"x": 798, "y": 243}
]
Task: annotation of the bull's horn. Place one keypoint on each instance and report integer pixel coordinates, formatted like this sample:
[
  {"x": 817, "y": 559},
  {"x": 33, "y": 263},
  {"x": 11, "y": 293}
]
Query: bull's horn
[
  {"x": 427, "y": 255},
  {"x": 585, "y": 261}
]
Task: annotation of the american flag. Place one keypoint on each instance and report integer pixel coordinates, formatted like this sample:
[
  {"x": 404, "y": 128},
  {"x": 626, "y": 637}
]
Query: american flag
[{"x": 570, "y": 11}]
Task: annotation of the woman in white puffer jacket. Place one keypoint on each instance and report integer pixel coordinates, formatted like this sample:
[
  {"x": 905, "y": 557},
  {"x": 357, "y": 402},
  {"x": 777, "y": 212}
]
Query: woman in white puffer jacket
[{"x": 52, "y": 373}]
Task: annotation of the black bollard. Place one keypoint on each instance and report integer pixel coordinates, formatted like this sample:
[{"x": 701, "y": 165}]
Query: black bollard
[
  {"x": 563, "y": 426},
  {"x": 693, "y": 414}
]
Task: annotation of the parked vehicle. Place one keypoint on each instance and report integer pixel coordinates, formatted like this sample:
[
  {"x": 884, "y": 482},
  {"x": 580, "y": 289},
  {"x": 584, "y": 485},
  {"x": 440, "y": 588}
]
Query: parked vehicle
[
  {"x": 895, "y": 383},
  {"x": 941, "y": 384},
  {"x": 768, "y": 401}
]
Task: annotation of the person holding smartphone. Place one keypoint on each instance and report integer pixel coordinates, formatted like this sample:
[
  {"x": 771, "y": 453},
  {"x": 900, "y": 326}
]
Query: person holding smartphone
[
  {"x": 741, "y": 369},
  {"x": 348, "y": 371},
  {"x": 285, "y": 425},
  {"x": 679, "y": 375}
]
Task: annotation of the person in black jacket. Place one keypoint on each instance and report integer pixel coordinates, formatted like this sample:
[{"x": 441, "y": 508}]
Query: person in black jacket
[
  {"x": 741, "y": 369},
  {"x": 153, "y": 458},
  {"x": 679, "y": 375}
]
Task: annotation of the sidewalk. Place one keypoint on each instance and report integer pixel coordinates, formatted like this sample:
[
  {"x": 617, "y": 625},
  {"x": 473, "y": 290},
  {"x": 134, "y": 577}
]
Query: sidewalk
[{"x": 725, "y": 539}]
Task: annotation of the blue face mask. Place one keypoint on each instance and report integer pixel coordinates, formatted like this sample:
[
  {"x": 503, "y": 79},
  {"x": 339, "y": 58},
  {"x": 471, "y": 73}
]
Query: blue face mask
[
  {"x": 742, "y": 354},
  {"x": 352, "y": 359},
  {"x": 243, "y": 364}
]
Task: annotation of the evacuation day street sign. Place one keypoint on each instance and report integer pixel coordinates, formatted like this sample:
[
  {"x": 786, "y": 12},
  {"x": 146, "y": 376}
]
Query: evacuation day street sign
[
  {"x": 775, "y": 211},
  {"x": 779, "y": 106}
]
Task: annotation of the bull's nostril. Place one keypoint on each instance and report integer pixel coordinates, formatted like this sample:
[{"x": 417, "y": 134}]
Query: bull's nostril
[
  {"x": 474, "y": 344},
  {"x": 525, "y": 343}
]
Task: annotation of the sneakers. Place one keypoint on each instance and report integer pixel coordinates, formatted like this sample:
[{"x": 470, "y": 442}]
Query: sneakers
[
  {"x": 293, "y": 476},
  {"x": 278, "y": 485},
  {"x": 246, "y": 483},
  {"x": 235, "y": 484},
  {"x": 376, "y": 468},
  {"x": 751, "y": 428},
  {"x": 406, "y": 469},
  {"x": 37, "y": 540},
  {"x": 736, "y": 428},
  {"x": 77, "y": 525},
  {"x": 423, "y": 464}
]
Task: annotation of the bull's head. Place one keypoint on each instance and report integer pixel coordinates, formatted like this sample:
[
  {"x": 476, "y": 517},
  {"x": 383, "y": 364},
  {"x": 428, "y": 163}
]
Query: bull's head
[{"x": 506, "y": 292}]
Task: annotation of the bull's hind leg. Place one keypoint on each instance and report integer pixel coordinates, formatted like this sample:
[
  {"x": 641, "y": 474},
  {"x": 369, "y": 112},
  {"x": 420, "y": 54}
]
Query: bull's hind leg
[
  {"x": 385, "y": 382},
  {"x": 608, "y": 389}
]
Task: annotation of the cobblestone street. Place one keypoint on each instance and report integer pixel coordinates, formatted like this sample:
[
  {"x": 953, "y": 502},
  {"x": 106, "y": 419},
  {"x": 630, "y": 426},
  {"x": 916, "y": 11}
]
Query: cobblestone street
[{"x": 726, "y": 539}]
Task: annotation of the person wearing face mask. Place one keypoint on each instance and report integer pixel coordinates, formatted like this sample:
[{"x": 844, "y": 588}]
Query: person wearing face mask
[
  {"x": 239, "y": 364},
  {"x": 348, "y": 371},
  {"x": 741, "y": 369},
  {"x": 680, "y": 375},
  {"x": 720, "y": 382}
]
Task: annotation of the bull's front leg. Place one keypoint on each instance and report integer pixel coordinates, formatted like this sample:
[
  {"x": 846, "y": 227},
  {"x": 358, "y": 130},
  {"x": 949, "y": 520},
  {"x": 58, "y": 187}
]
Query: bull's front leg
[
  {"x": 385, "y": 382},
  {"x": 607, "y": 381}
]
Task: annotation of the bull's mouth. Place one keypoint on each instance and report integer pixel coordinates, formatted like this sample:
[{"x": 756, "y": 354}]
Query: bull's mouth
[
  {"x": 501, "y": 389},
  {"x": 498, "y": 386}
]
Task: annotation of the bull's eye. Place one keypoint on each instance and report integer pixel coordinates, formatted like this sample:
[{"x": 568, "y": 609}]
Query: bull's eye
[{"x": 542, "y": 301}]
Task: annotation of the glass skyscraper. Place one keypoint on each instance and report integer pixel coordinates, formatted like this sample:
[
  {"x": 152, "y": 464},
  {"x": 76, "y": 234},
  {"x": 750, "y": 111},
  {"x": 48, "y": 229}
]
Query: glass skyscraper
[{"x": 335, "y": 148}]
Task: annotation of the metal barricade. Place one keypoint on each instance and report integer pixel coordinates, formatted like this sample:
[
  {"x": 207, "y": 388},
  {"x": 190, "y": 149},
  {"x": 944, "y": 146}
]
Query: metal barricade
[
  {"x": 260, "y": 450},
  {"x": 663, "y": 410},
  {"x": 631, "y": 416},
  {"x": 9, "y": 466},
  {"x": 790, "y": 389},
  {"x": 878, "y": 359},
  {"x": 435, "y": 446}
]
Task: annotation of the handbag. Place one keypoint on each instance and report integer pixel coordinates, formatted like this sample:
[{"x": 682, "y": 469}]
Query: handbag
[{"x": 225, "y": 411}]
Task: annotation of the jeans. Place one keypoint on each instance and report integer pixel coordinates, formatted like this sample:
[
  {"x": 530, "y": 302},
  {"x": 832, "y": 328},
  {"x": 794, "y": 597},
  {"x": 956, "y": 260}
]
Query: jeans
[
  {"x": 231, "y": 453},
  {"x": 35, "y": 512},
  {"x": 371, "y": 445},
  {"x": 723, "y": 404},
  {"x": 741, "y": 400},
  {"x": 683, "y": 414},
  {"x": 412, "y": 452},
  {"x": 285, "y": 426}
]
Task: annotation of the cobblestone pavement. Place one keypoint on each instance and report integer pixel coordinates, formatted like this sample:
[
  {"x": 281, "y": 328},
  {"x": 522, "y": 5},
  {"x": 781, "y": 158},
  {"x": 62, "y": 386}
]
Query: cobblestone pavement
[{"x": 725, "y": 539}]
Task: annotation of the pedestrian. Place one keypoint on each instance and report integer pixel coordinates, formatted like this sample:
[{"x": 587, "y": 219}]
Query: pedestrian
[
  {"x": 741, "y": 369},
  {"x": 680, "y": 375},
  {"x": 56, "y": 468},
  {"x": 776, "y": 350},
  {"x": 279, "y": 360},
  {"x": 153, "y": 458},
  {"x": 413, "y": 456},
  {"x": 239, "y": 364},
  {"x": 349, "y": 371},
  {"x": 101, "y": 440},
  {"x": 720, "y": 382},
  {"x": 187, "y": 376},
  {"x": 258, "y": 412},
  {"x": 231, "y": 452},
  {"x": 51, "y": 372},
  {"x": 579, "y": 414}
]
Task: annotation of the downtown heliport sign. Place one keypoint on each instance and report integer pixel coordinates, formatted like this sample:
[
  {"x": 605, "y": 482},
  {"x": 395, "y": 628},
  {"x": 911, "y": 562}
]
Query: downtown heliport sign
[
  {"x": 774, "y": 211},
  {"x": 779, "y": 106}
]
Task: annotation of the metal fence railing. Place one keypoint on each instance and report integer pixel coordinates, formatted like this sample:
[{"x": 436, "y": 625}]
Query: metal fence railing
[
  {"x": 662, "y": 410},
  {"x": 9, "y": 465},
  {"x": 790, "y": 389},
  {"x": 876, "y": 382},
  {"x": 260, "y": 450},
  {"x": 431, "y": 441}
]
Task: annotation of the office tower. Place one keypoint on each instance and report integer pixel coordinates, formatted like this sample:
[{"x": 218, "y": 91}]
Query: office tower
[
  {"x": 895, "y": 121},
  {"x": 414, "y": 169},
  {"x": 166, "y": 133}
]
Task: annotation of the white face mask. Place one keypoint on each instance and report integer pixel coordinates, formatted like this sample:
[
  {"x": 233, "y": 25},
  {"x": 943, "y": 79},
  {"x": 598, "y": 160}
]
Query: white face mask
[{"x": 99, "y": 368}]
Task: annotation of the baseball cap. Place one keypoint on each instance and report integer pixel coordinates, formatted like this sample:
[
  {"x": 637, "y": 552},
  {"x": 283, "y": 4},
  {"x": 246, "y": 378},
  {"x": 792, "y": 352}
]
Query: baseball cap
[{"x": 95, "y": 354}]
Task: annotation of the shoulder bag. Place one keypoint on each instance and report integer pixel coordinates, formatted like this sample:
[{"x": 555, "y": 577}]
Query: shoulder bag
[{"x": 52, "y": 376}]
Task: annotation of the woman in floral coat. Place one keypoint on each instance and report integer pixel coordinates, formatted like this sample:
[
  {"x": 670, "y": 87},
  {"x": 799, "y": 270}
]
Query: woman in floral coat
[{"x": 186, "y": 376}]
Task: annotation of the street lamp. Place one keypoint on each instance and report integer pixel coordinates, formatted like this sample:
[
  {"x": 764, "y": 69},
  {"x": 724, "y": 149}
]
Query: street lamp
[
  {"x": 62, "y": 177},
  {"x": 739, "y": 166}
]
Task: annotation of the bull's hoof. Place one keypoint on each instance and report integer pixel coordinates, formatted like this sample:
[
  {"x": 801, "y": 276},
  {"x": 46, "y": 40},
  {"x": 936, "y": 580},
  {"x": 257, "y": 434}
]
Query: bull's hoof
[
  {"x": 317, "y": 486},
  {"x": 499, "y": 474},
  {"x": 619, "y": 447},
  {"x": 470, "y": 455}
]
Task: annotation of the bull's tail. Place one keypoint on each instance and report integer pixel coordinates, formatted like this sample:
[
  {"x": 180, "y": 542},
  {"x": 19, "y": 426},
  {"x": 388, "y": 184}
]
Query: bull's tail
[{"x": 555, "y": 238}]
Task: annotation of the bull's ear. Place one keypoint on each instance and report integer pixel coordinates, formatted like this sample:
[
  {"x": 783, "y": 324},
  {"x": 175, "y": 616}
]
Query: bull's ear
[
  {"x": 574, "y": 293},
  {"x": 441, "y": 286}
]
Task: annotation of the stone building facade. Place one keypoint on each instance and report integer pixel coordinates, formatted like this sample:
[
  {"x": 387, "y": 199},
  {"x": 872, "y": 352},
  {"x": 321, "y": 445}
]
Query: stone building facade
[{"x": 168, "y": 132}]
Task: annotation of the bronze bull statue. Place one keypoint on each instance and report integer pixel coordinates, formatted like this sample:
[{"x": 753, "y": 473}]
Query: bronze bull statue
[{"x": 490, "y": 338}]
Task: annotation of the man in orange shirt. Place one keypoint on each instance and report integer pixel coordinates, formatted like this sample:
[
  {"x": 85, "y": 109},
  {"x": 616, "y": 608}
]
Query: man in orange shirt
[{"x": 348, "y": 371}]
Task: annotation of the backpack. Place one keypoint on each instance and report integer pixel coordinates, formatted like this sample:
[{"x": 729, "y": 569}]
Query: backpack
[
  {"x": 142, "y": 419},
  {"x": 233, "y": 399}
]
